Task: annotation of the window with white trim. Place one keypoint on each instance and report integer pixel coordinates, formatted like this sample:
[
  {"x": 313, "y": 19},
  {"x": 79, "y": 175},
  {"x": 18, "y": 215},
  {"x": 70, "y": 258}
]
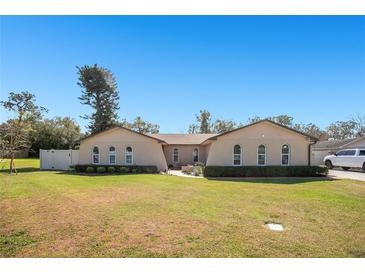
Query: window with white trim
[
  {"x": 195, "y": 155},
  {"x": 237, "y": 155},
  {"x": 128, "y": 156},
  {"x": 96, "y": 156},
  {"x": 112, "y": 155},
  {"x": 261, "y": 155},
  {"x": 175, "y": 155},
  {"x": 285, "y": 155}
]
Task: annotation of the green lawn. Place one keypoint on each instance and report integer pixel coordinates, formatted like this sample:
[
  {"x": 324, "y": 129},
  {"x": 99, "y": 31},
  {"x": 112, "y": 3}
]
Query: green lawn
[{"x": 54, "y": 214}]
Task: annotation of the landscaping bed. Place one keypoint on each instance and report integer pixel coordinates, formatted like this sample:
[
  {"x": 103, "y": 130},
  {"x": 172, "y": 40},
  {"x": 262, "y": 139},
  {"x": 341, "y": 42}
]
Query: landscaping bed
[
  {"x": 265, "y": 171},
  {"x": 115, "y": 169}
]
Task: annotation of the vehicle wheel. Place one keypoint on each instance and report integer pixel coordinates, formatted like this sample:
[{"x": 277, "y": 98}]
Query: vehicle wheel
[
  {"x": 363, "y": 167},
  {"x": 328, "y": 164},
  {"x": 345, "y": 168}
]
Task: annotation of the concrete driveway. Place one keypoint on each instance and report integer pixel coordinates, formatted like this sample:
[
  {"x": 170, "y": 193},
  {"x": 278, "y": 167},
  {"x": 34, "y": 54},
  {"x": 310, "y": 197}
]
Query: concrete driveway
[{"x": 350, "y": 174}]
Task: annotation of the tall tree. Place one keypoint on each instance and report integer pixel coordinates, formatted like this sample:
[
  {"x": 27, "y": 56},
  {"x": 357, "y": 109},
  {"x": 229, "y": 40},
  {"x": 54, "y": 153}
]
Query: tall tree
[
  {"x": 15, "y": 134},
  {"x": 359, "y": 121},
  {"x": 282, "y": 119},
  {"x": 193, "y": 129},
  {"x": 203, "y": 124},
  {"x": 221, "y": 125},
  {"x": 57, "y": 133},
  {"x": 254, "y": 119},
  {"x": 138, "y": 124},
  {"x": 99, "y": 90},
  {"x": 341, "y": 130},
  {"x": 311, "y": 129}
]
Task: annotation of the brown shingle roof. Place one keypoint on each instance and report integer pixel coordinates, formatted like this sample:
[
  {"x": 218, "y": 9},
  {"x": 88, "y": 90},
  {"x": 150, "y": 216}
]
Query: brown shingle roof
[
  {"x": 183, "y": 139},
  {"x": 332, "y": 144}
]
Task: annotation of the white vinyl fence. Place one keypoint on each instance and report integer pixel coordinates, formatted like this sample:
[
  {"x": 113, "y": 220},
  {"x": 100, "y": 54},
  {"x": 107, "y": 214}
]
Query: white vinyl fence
[{"x": 58, "y": 159}]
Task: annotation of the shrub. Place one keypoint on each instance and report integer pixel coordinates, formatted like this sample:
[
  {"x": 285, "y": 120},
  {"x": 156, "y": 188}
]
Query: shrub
[
  {"x": 265, "y": 171},
  {"x": 119, "y": 168},
  {"x": 89, "y": 169},
  {"x": 187, "y": 169},
  {"x": 100, "y": 169},
  {"x": 170, "y": 166},
  {"x": 111, "y": 169},
  {"x": 198, "y": 170},
  {"x": 123, "y": 169},
  {"x": 150, "y": 170}
]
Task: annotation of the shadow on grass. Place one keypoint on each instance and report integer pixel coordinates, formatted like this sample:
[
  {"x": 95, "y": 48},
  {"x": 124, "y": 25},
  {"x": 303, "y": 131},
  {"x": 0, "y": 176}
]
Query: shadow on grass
[
  {"x": 272, "y": 180},
  {"x": 65, "y": 172},
  {"x": 21, "y": 170},
  {"x": 262, "y": 180}
]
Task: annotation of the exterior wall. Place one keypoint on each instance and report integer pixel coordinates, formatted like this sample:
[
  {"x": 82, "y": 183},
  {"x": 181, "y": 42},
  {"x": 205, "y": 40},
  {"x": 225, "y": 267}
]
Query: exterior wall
[
  {"x": 146, "y": 151},
  {"x": 185, "y": 154},
  {"x": 359, "y": 143},
  {"x": 318, "y": 156},
  {"x": 272, "y": 136}
]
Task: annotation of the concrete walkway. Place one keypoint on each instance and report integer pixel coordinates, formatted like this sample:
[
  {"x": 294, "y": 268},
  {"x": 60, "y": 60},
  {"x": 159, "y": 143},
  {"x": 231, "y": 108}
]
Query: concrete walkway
[
  {"x": 181, "y": 174},
  {"x": 350, "y": 174}
]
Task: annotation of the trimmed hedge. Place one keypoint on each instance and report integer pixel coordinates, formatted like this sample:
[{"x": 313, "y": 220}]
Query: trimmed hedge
[
  {"x": 115, "y": 168},
  {"x": 111, "y": 169},
  {"x": 89, "y": 169},
  {"x": 265, "y": 171},
  {"x": 100, "y": 169}
]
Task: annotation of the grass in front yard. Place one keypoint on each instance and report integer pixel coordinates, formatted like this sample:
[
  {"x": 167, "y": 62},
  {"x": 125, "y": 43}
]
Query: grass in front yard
[
  {"x": 21, "y": 164},
  {"x": 53, "y": 214}
]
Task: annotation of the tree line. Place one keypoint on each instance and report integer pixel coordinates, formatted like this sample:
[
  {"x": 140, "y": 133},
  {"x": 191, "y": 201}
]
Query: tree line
[
  {"x": 352, "y": 128},
  {"x": 29, "y": 130}
]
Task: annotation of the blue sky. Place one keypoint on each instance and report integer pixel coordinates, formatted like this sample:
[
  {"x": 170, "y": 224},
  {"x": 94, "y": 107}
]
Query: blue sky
[{"x": 170, "y": 67}]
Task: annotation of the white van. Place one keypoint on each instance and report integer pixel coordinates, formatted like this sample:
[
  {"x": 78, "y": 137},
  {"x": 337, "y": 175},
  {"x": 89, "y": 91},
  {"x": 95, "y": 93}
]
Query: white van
[{"x": 346, "y": 158}]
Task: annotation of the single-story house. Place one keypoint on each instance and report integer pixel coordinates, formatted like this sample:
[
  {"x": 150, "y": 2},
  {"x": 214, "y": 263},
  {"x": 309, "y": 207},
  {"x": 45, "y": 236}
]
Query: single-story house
[
  {"x": 261, "y": 143},
  {"x": 329, "y": 147}
]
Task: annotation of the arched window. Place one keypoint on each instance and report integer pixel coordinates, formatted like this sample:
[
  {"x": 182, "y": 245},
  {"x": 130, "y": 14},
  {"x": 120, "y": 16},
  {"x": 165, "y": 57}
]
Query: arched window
[
  {"x": 95, "y": 155},
  {"x": 237, "y": 155},
  {"x": 175, "y": 155},
  {"x": 112, "y": 155},
  {"x": 128, "y": 156},
  {"x": 285, "y": 155},
  {"x": 261, "y": 155},
  {"x": 195, "y": 155}
]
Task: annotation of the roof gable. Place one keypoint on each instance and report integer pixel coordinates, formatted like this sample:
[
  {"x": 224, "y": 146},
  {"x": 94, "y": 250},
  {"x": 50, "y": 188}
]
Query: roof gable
[
  {"x": 183, "y": 139},
  {"x": 337, "y": 144},
  {"x": 124, "y": 128},
  {"x": 264, "y": 121}
]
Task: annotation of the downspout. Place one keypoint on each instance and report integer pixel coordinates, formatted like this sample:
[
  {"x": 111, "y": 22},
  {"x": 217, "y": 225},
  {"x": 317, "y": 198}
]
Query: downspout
[{"x": 310, "y": 151}]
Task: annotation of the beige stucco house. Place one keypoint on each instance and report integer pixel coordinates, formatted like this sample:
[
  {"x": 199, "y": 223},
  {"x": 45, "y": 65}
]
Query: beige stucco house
[{"x": 260, "y": 143}]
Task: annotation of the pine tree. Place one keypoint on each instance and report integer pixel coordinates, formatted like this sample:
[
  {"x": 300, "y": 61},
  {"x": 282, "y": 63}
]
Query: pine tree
[{"x": 99, "y": 90}]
